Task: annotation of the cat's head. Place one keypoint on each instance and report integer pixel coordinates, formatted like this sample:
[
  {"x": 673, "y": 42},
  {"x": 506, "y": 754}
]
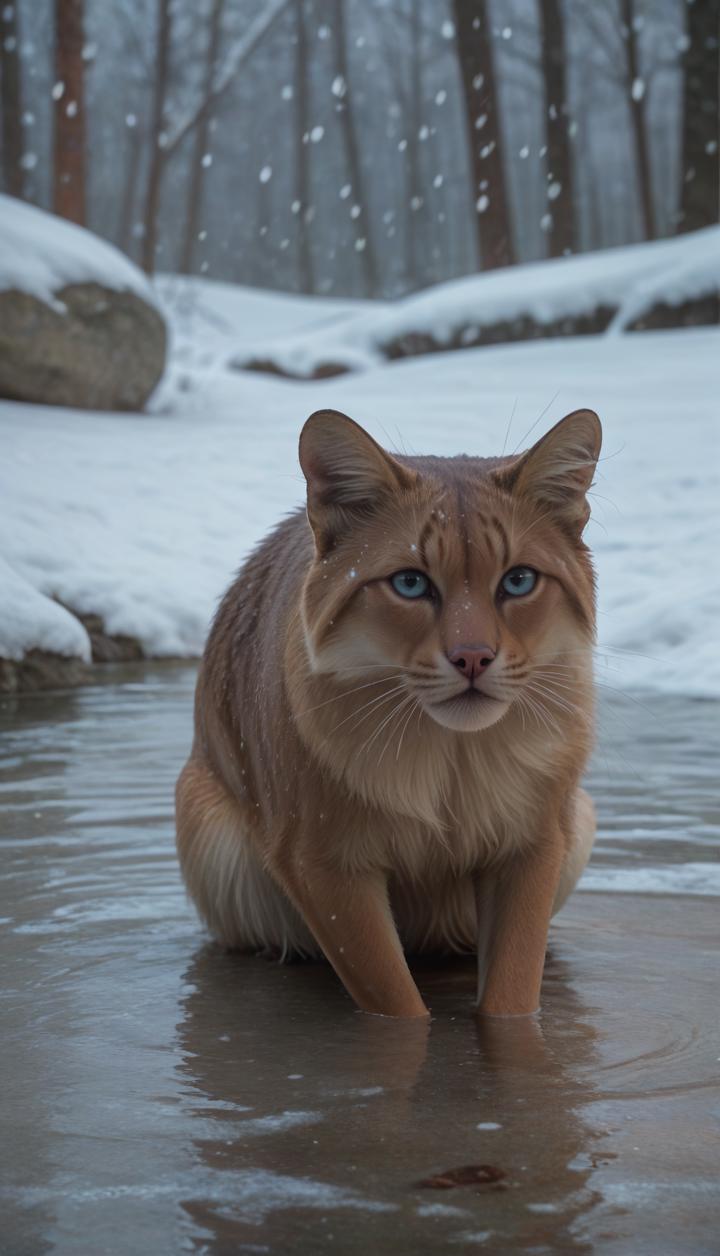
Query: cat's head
[{"x": 466, "y": 578}]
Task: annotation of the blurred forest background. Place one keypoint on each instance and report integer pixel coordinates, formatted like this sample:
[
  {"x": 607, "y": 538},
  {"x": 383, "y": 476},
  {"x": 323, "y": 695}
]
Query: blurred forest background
[{"x": 362, "y": 147}]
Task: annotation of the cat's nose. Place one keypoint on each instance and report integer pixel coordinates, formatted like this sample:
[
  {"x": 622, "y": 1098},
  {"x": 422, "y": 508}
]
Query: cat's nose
[{"x": 471, "y": 660}]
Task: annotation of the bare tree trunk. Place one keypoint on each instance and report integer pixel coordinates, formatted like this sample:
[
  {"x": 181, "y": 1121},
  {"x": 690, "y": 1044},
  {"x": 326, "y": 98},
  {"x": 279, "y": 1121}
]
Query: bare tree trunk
[
  {"x": 364, "y": 242},
  {"x": 157, "y": 122},
  {"x": 637, "y": 102},
  {"x": 200, "y": 144},
  {"x": 127, "y": 204},
  {"x": 11, "y": 102},
  {"x": 561, "y": 187},
  {"x": 700, "y": 166},
  {"x": 490, "y": 195},
  {"x": 306, "y": 276},
  {"x": 412, "y": 159},
  {"x": 69, "y": 191}
]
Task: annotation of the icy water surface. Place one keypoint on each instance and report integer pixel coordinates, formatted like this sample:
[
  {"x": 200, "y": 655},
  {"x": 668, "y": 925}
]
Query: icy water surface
[{"x": 160, "y": 1096}]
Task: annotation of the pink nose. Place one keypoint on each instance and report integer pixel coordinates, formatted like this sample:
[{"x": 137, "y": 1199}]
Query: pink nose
[{"x": 471, "y": 660}]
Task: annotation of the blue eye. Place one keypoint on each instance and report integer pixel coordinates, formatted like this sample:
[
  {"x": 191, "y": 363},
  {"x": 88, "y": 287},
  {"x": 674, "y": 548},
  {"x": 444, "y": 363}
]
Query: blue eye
[
  {"x": 410, "y": 583},
  {"x": 518, "y": 581}
]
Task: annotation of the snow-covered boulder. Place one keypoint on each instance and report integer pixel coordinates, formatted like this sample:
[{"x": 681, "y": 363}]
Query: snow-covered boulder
[
  {"x": 666, "y": 283},
  {"x": 41, "y": 644},
  {"x": 79, "y": 324}
]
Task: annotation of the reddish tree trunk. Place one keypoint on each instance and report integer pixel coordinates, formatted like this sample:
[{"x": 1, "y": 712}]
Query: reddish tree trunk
[
  {"x": 69, "y": 198},
  {"x": 490, "y": 194}
]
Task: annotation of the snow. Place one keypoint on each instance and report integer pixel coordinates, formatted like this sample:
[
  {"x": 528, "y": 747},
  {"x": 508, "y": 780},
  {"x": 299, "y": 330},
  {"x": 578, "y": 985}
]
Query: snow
[
  {"x": 694, "y": 272},
  {"x": 144, "y": 519},
  {"x": 41, "y": 254},
  {"x": 626, "y": 280},
  {"x": 211, "y": 321},
  {"x": 28, "y": 620}
]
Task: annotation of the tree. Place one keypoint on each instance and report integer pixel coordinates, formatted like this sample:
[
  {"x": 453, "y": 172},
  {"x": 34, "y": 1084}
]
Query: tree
[
  {"x": 364, "y": 242},
  {"x": 638, "y": 102},
  {"x": 700, "y": 166},
  {"x": 11, "y": 102},
  {"x": 306, "y": 275},
  {"x": 69, "y": 192},
  {"x": 560, "y": 190},
  {"x": 166, "y": 140},
  {"x": 157, "y": 134},
  {"x": 490, "y": 194},
  {"x": 200, "y": 141}
]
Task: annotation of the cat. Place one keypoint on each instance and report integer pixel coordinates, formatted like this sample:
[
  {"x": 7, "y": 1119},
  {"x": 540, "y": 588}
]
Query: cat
[{"x": 393, "y": 713}]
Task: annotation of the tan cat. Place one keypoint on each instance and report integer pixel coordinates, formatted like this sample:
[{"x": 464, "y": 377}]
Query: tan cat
[{"x": 393, "y": 714}]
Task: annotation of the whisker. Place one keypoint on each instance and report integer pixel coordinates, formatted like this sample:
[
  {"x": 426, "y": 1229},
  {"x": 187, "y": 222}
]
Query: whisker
[
  {"x": 397, "y": 714},
  {"x": 413, "y": 709},
  {"x": 541, "y": 714},
  {"x": 398, "y": 706},
  {"x": 569, "y": 707},
  {"x": 347, "y": 692},
  {"x": 541, "y": 415},
  {"x": 373, "y": 704},
  {"x": 507, "y": 433}
]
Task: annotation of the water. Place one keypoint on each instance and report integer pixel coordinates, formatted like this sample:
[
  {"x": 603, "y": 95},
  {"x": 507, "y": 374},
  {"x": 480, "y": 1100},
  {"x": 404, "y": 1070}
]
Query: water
[{"x": 160, "y": 1096}]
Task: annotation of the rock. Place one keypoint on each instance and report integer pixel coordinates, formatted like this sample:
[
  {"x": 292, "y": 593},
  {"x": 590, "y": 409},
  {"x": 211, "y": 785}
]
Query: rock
[
  {"x": 79, "y": 325},
  {"x": 105, "y": 352},
  {"x": 41, "y": 670},
  {"x": 107, "y": 647}
]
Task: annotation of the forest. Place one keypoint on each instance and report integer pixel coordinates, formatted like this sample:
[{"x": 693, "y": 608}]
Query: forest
[{"x": 360, "y": 149}]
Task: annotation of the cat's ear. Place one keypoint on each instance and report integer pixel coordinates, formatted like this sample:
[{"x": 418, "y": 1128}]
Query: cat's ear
[
  {"x": 558, "y": 471},
  {"x": 347, "y": 473}
]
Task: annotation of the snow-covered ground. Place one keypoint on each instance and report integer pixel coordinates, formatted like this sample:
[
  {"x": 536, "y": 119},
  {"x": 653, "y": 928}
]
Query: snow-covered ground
[
  {"x": 143, "y": 519},
  {"x": 626, "y": 281},
  {"x": 213, "y": 322}
]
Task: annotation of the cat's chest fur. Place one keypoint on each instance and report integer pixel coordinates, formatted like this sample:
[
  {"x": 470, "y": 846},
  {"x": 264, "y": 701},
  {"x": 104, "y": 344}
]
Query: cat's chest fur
[{"x": 449, "y": 805}]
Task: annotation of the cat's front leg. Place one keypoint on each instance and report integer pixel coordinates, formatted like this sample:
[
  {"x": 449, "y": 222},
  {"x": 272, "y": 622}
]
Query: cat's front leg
[
  {"x": 351, "y": 920},
  {"x": 517, "y": 902}
]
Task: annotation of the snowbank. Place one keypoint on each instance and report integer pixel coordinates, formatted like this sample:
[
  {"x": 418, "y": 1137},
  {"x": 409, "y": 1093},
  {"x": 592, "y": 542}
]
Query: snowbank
[
  {"x": 41, "y": 254},
  {"x": 523, "y": 302},
  {"x": 691, "y": 273},
  {"x": 29, "y": 620},
  {"x": 144, "y": 520}
]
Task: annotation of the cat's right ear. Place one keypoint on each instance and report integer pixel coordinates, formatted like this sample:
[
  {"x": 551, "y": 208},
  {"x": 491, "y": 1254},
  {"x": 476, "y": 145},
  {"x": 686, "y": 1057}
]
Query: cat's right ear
[{"x": 348, "y": 474}]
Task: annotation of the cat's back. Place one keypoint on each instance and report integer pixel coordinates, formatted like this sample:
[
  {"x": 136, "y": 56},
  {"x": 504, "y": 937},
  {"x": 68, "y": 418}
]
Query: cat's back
[{"x": 246, "y": 641}]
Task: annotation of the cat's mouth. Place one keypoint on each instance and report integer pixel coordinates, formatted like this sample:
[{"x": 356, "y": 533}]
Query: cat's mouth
[{"x": 468, "y": 711}]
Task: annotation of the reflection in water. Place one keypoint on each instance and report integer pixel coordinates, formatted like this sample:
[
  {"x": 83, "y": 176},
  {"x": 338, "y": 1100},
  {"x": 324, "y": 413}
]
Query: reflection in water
[
  {"x": 288, "y": 1082},
  {"x": 162, "y": 1096}
]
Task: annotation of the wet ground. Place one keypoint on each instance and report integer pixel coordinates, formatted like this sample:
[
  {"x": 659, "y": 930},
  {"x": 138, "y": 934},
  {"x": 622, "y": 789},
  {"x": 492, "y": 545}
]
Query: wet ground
[{"x": 162, "y": 1097}]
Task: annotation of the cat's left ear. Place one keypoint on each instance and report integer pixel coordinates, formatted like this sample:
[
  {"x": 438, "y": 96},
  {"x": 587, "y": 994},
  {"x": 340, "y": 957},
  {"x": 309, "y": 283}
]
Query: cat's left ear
[{"x": 558, "y": 471}]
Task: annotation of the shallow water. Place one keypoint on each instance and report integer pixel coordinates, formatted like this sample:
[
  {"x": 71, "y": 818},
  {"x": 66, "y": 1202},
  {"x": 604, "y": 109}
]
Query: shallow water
[{"x": 160, "y": 1096}]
